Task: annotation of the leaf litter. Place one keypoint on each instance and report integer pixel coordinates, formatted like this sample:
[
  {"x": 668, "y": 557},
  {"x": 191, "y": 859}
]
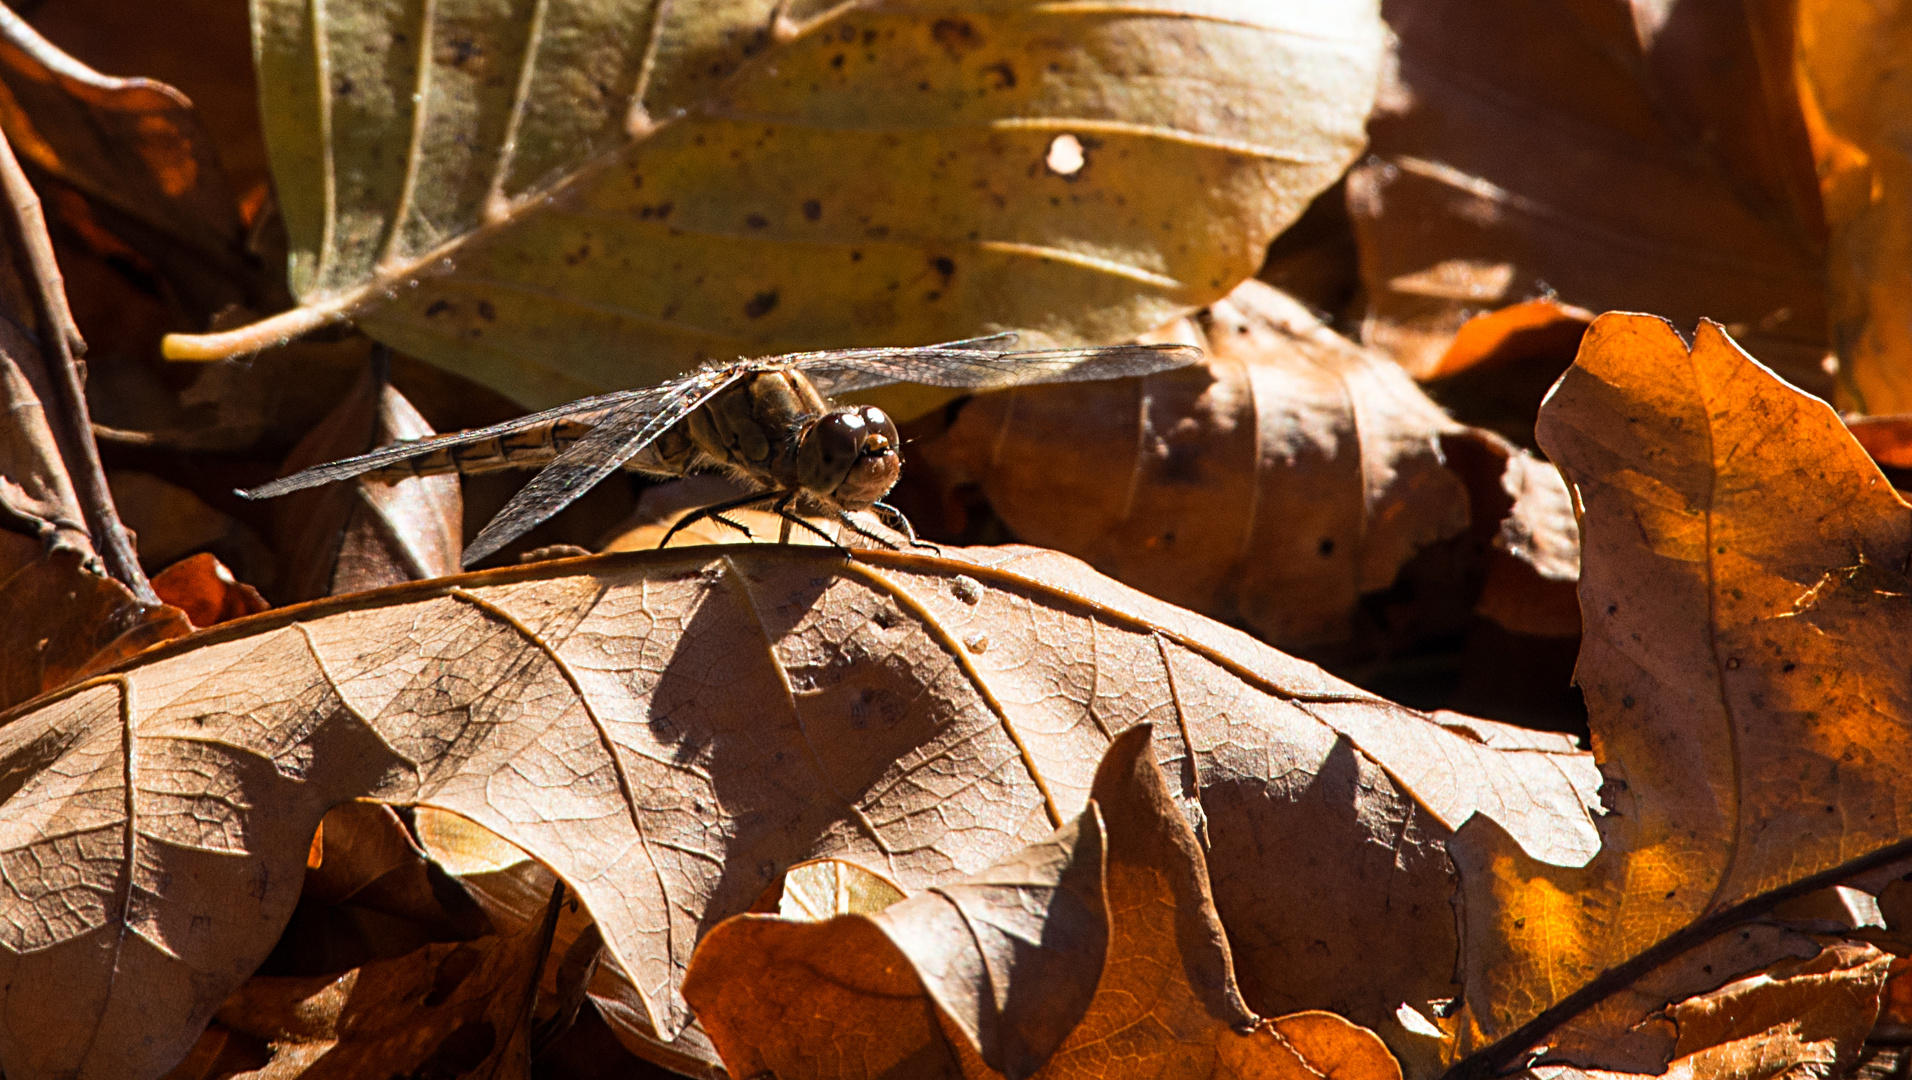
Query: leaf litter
[{"x": 899, "y": 750}]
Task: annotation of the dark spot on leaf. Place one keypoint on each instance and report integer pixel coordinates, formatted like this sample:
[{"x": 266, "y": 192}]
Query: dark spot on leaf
[
  {"x": 345, "y": 87},
  {"x": 837, "y": 60},
  {"x": 812, "y": 209},
  {"x": 572, "y": 258},
  {"x": 956, "y": 36},
  {"x": 1787, "y": 666},
  {"x": 1005, "y": 75},
  {"x": 438, "y": 307},
  {"x": 761, "y": 304},
  {"x": 1627, "y": 701},
  {"x": 755, "y": 221},
  {"x": 933, "y": 295},
  {"x": 486, "y": 311},
  {"x": 1613, "y": 609},
  {"x": 944, "y": 266},
  {"x": 1326, "y": 547},
  {"x": 660, "y": 211},
  {"x": 856, "y": 256}
]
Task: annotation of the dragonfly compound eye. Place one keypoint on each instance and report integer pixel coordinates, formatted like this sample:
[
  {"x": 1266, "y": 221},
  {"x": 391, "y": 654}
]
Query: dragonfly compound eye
[{"x": 850, "y": 455}]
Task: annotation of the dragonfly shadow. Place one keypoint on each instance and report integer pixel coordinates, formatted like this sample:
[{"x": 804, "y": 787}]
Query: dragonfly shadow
[{"x": 808, "y": 717}]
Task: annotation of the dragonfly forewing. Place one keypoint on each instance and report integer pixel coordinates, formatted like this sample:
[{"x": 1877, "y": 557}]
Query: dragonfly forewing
[{"x": 618, "y": 436}]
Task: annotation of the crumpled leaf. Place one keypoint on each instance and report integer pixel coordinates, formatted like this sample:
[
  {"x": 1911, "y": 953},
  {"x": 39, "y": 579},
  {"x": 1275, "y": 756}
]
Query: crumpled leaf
[
  {"x": 1272, "y": 486},
  {"x": 1745, "y": 612},
  {"x": 454, "y": 1009},
  {"x": 1500, "y": 365},
  {"x": 1097, "y": 948},
  {"x": 708, "y": 717},
  {"x": 206, "y": 591},
  {"x": 100, "y": 622},
  {"x": 347, "y": 538},
  {"x": 1646, "y": 157},
  {"x": 1805, "y": 1017},
  {"x": 1850, "y": 60},
  {"x": 629, "y": 189},
  {"x": 135, "y": 149}
]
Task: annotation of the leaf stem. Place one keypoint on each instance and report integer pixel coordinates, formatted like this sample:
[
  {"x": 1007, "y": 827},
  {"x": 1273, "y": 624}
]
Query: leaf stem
[{"x": 59, "y": 342}]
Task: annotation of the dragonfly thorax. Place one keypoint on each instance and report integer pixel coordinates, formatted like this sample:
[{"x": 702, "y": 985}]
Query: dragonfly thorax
[{"x": 849, "y": 456}]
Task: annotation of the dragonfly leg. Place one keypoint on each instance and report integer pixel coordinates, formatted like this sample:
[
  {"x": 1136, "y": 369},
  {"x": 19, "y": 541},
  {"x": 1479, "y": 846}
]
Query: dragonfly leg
[
  {"x": 791, "y": 517},
  {"x": 716, "y": 513},
  {"x": 891, "y": 516}
]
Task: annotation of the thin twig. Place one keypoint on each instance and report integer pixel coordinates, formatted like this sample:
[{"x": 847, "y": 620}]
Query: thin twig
[{"x": 60, "y": 342}]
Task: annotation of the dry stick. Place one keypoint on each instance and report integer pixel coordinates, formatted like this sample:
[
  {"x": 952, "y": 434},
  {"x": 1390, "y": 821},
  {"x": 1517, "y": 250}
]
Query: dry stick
[
  {"x": 1495, "y": 1058},
  {"x": 59, "y": 342}
]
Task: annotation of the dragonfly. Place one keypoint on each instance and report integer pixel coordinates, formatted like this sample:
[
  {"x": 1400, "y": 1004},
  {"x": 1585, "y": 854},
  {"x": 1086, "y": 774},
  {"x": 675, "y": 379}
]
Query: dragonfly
[{"x": 768, "y": 422}]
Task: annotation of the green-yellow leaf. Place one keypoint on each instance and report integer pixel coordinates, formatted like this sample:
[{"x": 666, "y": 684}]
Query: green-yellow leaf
[{"x": 564, "y": 197}]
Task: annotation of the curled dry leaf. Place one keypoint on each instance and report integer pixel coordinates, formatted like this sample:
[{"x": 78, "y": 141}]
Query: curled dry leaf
[
  {"x": 1745, "y": 598},
  {"x": 455, "y": 1009},
  {"x": 601, "y": 196},
  {"x": 1500, "y": 365},
  {"x": 1850, "y": 61},
  {"x": 135, "y": 149},
  {"x": 206, "y": 591},
  {"x": 1799, "y": 1017},
  {"x": 350, "y": 537},
  {"x": 667, "y": 731},
  {"x": 1641, "y": 157},
  {"x": 1101, "y": 945},
  {"x": 1272, "y": 486}
]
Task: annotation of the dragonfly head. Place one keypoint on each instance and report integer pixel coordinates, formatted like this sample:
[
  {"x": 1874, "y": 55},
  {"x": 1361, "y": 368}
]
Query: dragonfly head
[{"x": 850, "y": 455}]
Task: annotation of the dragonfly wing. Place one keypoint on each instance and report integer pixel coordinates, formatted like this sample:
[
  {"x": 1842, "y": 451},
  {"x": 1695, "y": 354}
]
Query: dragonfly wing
[
  {"x": 977, "y": 369},
  {"x": 597, "y": 455},
  {"x": 347, "y": 468}
]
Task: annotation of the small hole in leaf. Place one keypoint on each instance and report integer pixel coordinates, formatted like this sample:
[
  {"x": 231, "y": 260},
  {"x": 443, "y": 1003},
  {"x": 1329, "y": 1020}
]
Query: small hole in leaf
[{"x": 1065, "y": 155}]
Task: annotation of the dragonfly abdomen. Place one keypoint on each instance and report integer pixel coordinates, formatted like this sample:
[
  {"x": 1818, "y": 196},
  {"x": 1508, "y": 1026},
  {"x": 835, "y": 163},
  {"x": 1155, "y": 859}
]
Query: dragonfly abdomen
[{"x": 533, "y": 448}]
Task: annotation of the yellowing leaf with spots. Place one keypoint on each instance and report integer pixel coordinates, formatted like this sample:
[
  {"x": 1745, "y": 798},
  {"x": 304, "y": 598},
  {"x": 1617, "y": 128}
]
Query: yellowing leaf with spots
[{"x": 564, "y": 197}]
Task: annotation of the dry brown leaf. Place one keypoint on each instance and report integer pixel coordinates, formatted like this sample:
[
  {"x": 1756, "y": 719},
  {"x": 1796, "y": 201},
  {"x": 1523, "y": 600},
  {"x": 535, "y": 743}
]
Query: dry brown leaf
[
  {"x": 1271, "y": 487},
  {"x": 656, "y": 183},
  {"x": 668, "y": 731},
  {"x": 1797, "y": 1018},
  {"x": 99, "y": 622},
  {"x": 1745, "y": 596},
  {"x": 1850, "y": 60},
  {"x": 1512, "y": 333},
  {"x": 206, "y": 591},
  {"x": 351, "y": 537},
  {"x": 1647, "y": 157},
  {"x": 1096, "y": 950},
  {"x": 445, "y": 1010},
  {"x": 1500, "y": 365},
  {"x": 135, "y": 149}
]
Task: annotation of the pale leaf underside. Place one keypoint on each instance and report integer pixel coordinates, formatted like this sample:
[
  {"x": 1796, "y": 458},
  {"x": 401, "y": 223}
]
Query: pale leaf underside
[{"x": 669, "y": 731}]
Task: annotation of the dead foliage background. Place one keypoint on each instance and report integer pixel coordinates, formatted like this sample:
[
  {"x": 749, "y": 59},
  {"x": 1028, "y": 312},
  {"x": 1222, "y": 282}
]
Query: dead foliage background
[{"x": 1489, "y": 661}]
